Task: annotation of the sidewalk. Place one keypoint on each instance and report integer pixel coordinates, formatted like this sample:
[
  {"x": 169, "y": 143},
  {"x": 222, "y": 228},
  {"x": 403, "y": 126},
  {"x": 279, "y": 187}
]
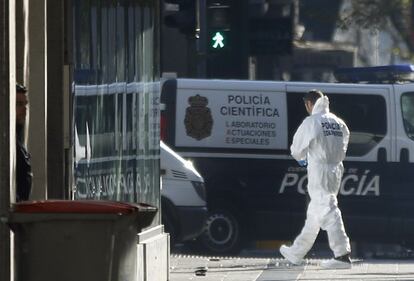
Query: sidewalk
[{"x": 203, "y": 268}]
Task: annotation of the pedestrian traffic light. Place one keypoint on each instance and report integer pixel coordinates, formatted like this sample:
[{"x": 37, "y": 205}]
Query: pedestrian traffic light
[
  {"x": 180, "y": 14},
  {"x": 218, "y": 40},
  {"x": 218, "y": 25}
]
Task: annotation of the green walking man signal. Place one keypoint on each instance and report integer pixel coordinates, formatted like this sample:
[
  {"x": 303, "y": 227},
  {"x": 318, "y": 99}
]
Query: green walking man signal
[{"x": 218, "y": 41}]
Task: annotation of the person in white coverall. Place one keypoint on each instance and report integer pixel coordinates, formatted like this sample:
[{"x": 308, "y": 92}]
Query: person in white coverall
[{"x": 321, "y": 142}]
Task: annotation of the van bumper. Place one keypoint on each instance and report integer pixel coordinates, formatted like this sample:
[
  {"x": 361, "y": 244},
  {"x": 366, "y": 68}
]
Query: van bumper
[{"x": 192, "y": 221}]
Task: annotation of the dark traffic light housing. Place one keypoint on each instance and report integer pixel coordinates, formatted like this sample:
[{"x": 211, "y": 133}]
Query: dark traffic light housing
[
  {"x": 182, "y": 15},
  {"x": 218, "y": 25}
]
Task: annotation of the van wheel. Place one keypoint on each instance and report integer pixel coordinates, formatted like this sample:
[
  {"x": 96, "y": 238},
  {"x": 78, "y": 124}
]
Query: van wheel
[
  {"x": 222, "y": 233},
  {"x": 170, "y": 228}
]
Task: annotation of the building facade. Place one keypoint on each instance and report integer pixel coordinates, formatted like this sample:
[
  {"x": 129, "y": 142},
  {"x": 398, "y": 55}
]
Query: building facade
[{"x": 92, "y": 71}]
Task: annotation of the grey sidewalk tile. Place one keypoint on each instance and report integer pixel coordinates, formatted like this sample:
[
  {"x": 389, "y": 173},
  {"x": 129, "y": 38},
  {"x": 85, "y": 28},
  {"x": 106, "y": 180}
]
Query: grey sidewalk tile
[
  {"x": 217, "y": 268},
  {"x": 273, "y": 269}
]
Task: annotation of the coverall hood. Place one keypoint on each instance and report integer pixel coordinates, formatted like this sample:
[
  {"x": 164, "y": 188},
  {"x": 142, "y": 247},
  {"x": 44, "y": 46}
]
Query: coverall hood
[{"x": 321, "y": 105}]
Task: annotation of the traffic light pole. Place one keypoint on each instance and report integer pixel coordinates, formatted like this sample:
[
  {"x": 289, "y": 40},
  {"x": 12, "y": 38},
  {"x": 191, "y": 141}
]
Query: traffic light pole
[{"x": 202, "y": 38}]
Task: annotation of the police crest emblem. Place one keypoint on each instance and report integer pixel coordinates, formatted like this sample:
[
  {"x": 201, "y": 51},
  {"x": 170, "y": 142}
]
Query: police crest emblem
[{"x": 198, "y": 120}]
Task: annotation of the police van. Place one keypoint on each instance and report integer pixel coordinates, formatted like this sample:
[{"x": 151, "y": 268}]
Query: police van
[
  {"x": 238, "y": 135},
  {"x": 183, "y": 203}
]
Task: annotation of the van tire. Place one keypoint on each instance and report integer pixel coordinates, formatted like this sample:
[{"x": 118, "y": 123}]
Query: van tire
[
  {"x": 168, "y": 219},
  {"x": 222, "y": 233},
  {"x": 170, "y": 228}
]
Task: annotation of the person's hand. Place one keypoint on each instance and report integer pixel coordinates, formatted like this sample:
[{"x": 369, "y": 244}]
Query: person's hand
[{"x": 303, "y": 163}]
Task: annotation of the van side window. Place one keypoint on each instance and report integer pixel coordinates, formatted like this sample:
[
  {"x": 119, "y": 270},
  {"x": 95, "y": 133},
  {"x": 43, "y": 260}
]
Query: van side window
[
  {"x": 407, "y": 110},
  {"x": 365, "y": 116}
]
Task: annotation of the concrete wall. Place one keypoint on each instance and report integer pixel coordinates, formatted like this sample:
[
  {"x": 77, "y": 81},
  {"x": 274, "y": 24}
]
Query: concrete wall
[{"x": 153, "y": 255}]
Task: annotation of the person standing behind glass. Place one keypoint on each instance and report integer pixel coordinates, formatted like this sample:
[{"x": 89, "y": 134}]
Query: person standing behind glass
[{"x": 23, "y": 165}]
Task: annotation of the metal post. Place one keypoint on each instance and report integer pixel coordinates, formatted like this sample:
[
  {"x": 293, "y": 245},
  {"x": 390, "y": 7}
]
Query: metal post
[
  {"x": 7, "y": 130},
  {"x": 57, "y": 187},
  {"x": 202, "y": 39}
]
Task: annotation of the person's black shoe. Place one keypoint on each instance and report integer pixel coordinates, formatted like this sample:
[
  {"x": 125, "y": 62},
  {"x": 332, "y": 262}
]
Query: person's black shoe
[
  {"x": 342, "y": 262},
  {"x": 344, "y": 258}
]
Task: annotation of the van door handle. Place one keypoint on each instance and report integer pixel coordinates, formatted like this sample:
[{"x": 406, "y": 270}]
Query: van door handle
[
  {"x": 404, "y": 155},
  {"x": 382, "y": 155}
]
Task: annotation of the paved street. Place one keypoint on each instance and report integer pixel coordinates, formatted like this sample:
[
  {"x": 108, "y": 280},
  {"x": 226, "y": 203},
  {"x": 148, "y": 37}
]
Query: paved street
[{"x": 204, "y": 268}]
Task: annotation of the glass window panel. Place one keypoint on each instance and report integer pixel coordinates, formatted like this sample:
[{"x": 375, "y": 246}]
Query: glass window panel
[{"x": 116, "y": 96}]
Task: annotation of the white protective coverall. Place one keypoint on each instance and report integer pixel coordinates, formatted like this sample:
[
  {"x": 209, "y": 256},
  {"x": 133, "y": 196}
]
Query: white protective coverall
[{"x": 322, "y": 139}]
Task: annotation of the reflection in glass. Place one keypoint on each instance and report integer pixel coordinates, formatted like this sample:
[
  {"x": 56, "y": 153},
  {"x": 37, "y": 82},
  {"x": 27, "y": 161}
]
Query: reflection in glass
[{"x": 116, "y": 101}]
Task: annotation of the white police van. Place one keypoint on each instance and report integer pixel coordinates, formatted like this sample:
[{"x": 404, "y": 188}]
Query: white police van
[
  {"x": 183, "y": 202},
  {"x": 238, "y": 134}
]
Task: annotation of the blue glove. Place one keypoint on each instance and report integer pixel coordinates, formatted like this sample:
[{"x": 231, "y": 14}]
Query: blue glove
[{"x": 303, "y": 163}]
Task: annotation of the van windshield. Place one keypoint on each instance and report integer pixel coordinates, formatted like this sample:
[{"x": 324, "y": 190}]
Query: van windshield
[{"x": 407, "y": 109}]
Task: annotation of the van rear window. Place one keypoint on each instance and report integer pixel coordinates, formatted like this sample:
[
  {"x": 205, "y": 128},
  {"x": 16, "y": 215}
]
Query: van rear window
[{"x": 407, "y": 110}]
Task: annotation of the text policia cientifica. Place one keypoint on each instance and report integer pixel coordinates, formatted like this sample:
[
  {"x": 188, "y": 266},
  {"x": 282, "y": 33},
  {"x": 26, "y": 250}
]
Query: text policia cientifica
[{"x": 240, "y": 105}]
